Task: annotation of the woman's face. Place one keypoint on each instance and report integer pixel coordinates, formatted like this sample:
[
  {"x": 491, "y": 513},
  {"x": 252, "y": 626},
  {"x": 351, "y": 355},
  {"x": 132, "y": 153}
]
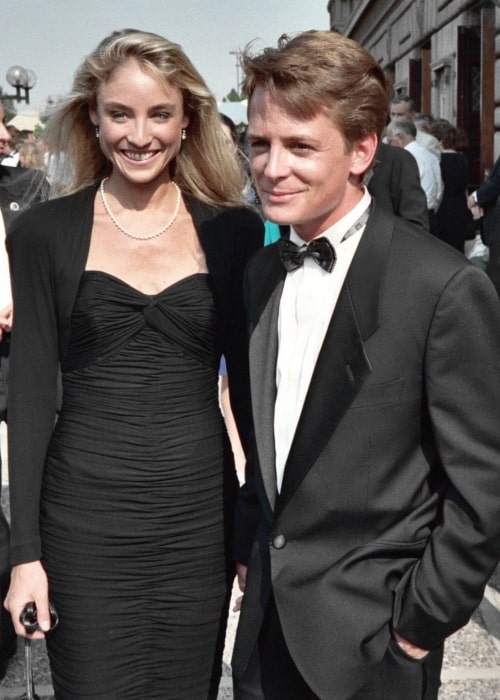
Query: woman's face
[{"x": 140, "y": 120}]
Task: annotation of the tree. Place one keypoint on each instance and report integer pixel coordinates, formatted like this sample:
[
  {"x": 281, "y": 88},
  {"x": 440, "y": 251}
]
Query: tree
[{"x": 232, "y": 96}]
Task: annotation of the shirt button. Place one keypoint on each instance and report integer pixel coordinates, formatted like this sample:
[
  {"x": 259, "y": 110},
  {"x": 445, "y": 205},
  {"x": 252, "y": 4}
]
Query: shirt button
[{"x": 279, "y": 541}]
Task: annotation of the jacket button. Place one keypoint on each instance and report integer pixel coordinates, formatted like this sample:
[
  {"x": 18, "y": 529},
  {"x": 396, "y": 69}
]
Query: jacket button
[{"x": 279, "y": 541}]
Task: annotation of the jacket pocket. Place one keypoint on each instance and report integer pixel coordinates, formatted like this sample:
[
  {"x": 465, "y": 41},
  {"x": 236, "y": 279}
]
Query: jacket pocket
[{"x": 380, "y": 394}]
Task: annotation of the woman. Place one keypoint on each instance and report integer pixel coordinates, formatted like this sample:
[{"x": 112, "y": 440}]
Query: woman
[
  {"x": 120, "y": 515},
  {"x": 454, "y": 219}
]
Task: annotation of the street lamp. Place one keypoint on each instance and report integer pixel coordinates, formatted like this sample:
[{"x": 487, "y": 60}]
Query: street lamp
[
  {"x": 238, "y": 57},
  {"x": 21, "y": 79}
]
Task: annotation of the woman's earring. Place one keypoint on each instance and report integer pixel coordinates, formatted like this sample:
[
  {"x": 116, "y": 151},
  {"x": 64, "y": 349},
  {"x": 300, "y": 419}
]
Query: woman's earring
[
  {"x": 97, "y": 132},
  {"x": 183, "y": 134}
]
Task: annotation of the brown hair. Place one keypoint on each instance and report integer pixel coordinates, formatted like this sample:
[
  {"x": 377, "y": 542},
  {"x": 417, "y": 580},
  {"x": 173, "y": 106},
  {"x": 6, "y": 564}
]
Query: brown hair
[
  {"x": 323, "y": 70},
  {"x": 445, "y": 133}
]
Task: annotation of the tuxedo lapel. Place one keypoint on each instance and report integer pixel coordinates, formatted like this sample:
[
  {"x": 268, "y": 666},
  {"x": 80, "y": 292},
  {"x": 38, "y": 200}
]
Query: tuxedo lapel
[
  {"x": 342, "y": 364},
  {"x": 263, "y": 351}
]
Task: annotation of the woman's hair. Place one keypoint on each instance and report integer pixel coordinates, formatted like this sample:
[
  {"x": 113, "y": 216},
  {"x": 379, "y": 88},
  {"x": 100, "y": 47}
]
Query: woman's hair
[
  {"x": 323, "y": 70},
  {"x": 445, "y": 133},
  {"x": 31, "y": 155},
  {"x": 203, "y": 167}
]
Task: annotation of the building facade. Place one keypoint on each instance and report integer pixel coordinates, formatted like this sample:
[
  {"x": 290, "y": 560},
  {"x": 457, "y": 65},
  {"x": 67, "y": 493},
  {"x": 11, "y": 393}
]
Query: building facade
[{"x": 445, "y": 54}]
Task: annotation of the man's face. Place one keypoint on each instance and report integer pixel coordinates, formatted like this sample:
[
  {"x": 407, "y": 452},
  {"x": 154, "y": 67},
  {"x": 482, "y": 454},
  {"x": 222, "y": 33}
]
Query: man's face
[
  {"x": 4, "y": 134},
  {"x": 304, "y": 173},
  {"x": 400, "y": 111}
]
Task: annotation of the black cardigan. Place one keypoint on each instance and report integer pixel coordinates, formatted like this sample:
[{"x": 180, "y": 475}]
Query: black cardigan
[{"x": 48, "y": 247}]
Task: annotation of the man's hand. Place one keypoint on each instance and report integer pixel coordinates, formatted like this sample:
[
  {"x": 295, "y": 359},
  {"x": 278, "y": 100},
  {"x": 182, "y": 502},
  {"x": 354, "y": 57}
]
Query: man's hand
[
  {"x": 5, "y": 320},
  {"x": 415, "y": 652},
  {"x": 241, "y": 572}
]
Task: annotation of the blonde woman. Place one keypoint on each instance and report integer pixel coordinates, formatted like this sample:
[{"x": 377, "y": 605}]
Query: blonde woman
[{"x": 132, "y": 284}]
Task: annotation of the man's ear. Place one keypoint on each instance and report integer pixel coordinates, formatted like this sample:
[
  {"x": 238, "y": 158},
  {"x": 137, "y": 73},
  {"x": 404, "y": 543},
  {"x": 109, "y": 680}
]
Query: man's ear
[{"x": 363, "y": 154}]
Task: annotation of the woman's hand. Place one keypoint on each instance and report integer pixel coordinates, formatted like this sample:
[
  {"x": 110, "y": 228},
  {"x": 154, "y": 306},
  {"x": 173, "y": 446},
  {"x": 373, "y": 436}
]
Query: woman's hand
[{"x": 28, "y": 583}]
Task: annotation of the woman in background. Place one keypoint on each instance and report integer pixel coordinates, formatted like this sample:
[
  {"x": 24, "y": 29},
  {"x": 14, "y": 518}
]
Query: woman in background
[
  {"x": 454, "y": 220},
  {"x": 122, "y": 513}
]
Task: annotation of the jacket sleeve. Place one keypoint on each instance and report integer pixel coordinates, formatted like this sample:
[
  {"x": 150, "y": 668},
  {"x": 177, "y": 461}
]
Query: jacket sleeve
[
  {"x": 488, "y": 193},
  {"x": 462, "y": 384},
  {"x": 247, "y": 237},
  {"x": 33, "y": 367}
]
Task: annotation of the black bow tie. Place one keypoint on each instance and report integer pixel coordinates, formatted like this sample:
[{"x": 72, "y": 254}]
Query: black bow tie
[{"x": 320, "y": 250}]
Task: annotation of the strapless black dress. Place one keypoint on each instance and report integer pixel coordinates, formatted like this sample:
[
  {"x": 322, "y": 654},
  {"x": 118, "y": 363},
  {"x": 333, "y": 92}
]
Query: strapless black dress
[{"x": 133, "y": 504}]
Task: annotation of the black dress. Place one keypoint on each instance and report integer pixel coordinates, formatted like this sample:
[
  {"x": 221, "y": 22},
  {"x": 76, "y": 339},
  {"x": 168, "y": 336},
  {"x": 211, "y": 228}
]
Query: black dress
[
  {"x": 134, "y": 495},
  {"x": 454, "y": 219}
]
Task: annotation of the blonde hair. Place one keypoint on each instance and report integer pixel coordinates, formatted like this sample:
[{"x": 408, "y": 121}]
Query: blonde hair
[
  {"x": 323, "y": 70},
  {"x": 203, "y": 168},
  {"x": 31, "y": 155}
]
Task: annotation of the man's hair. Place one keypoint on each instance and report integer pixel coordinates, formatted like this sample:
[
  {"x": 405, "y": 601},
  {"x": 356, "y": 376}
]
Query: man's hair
[
  {"x": 404, "y": 98},
  {"x": 403, "y": 126},
  {"x": 322, "y": 70}
]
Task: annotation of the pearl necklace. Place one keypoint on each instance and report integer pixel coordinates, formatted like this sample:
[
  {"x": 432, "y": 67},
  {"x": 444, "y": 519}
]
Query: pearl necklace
[{"x": 133, "y": 235}]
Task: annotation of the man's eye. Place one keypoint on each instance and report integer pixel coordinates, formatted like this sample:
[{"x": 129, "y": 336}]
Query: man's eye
[{"x": 257, "y": 144}]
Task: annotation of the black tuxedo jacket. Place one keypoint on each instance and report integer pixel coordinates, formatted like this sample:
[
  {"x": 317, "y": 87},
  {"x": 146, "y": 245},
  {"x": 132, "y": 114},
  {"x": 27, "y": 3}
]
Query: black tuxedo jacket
[
  {"x": 19, "y": 188},
  {"x": 395, "y": 185},
  {"x": 487, "y": 195},
  {"x": 389, "y": 512}
]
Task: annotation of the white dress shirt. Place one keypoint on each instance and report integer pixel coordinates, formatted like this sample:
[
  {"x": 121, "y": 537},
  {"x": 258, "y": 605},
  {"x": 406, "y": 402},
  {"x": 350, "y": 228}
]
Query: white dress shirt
[
  {"x": 306, "y": 307},
  {"x": 430, "y": 174}
]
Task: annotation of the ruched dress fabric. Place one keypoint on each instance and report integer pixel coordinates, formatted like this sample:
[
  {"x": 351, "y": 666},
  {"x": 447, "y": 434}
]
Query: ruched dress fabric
[{"x": 132, "y": 509}]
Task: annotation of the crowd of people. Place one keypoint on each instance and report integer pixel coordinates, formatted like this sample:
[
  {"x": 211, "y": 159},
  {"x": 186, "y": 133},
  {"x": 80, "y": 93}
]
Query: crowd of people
[{"x": 354, "y": 356}]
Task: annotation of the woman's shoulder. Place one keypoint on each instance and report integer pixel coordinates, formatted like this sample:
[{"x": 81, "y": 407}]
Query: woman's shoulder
[
  {"x": 45, "y": 225},
  {"x": 225, "y": 224},
  {"x": 43, "y": 219}
]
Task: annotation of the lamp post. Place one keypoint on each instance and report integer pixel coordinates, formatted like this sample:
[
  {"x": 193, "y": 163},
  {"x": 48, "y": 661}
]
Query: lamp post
[
  {"x": 21, "y": 79},
  {"x": 238, "y": 56}
]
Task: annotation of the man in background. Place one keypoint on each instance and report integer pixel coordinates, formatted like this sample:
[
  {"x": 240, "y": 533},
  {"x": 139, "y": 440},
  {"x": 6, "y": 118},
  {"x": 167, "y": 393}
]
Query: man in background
[
  {"x": 19, "y": 187},
  {"x": 403, "y": 107},
  {"x": 402, "y": 133},
  {"x": 7, "y": 634}
]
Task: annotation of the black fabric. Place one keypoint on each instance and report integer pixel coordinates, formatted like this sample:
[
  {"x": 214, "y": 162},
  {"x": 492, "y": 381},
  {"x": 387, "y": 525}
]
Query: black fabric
[
  {"x": 19, "y": 188},
  {"x": 48, "y": 247},
  {"x": 320, "y": 250},
  {"x": 453, "y": 218},
  {"x": 137, "y": 479}
]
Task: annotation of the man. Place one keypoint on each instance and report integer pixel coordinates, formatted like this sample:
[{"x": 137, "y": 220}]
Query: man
[
  {"x": 395, "y": 184},
  {"x": 403, "y": 107},
  {"x": 7, "y": 634},
  {"x": 19, "y": 187},
  {"x": 483, "y": 201},
  {"x": 402, "y": 133},
  {"x": 369, "y": 522}
]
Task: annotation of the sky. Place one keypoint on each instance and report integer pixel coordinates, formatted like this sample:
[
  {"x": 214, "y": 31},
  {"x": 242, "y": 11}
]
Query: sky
[{"x": 51, "y": 37}]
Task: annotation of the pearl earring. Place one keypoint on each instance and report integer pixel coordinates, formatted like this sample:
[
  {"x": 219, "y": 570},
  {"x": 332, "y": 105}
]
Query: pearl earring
[
  {"x": 183, "y": 134},
  {"x": 97, "y": 132}
]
